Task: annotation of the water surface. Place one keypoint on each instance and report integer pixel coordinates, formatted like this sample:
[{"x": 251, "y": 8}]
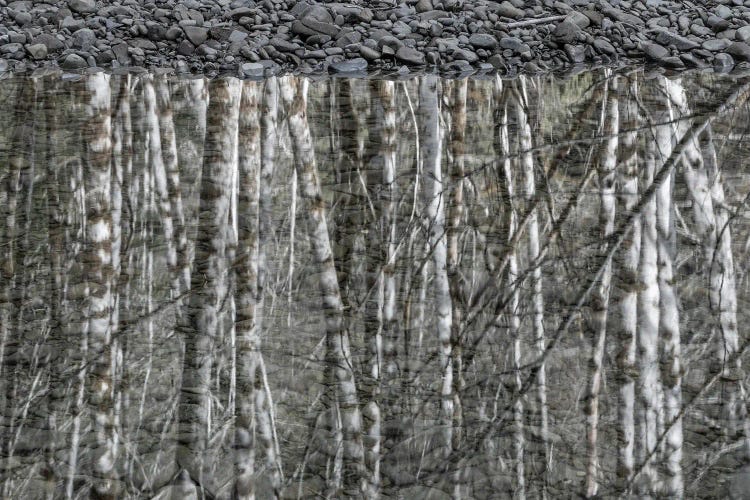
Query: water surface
[{"x": 349, "y": 288}]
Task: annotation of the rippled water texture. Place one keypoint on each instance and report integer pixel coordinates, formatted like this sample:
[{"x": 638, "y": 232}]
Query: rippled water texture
[{"x": 346, "y": 288}]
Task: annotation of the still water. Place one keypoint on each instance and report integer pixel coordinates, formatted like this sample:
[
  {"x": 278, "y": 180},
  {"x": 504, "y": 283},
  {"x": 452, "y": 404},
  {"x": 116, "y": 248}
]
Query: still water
[{"x": 342, "y": 288}]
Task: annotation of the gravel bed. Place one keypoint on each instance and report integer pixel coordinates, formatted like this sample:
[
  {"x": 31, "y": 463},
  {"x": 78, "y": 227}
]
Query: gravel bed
[{"x": 259, "y": 38}]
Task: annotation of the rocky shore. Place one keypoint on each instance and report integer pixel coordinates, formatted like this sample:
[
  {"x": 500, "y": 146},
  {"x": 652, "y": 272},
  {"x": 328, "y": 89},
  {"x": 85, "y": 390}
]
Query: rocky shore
[{"x": 258, "y": 38}]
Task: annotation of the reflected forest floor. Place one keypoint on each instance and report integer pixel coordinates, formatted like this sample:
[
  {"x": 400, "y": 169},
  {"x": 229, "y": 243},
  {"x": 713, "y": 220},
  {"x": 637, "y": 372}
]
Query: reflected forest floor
[{"x": 348, "y": 288}]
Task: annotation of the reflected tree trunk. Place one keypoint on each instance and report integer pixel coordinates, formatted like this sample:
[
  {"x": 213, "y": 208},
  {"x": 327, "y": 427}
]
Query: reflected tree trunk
[
  {"x": 600, "y": 298},
  {"x": 431, "y": 135},
  {"x": 208, "y": 281},
  {"x": 625, "y": 292},
  {"x": 294, "y": 92},
  {"x": 669, "y": 319},
  {"x": 99, "y": 283}
]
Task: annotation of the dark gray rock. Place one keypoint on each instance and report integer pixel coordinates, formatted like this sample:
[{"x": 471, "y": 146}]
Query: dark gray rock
[
  {"x": 72, "y": 24},
  {"x": 566, "y": 32},
  {"x": 73, "y": 61},
  {"x": 82, "y": 6},
  {"x": 252, "y": 69},
  {"x": 701, "y": 31},
  {"x": 667, "y": 38},
  {"x": 507, "y": 9},
  {"x": 84, "y": 38},
  {"x": 716, "y": 23},
  {"x": 315, "y": 12},
  {"x": 120, "y": 51},
  {"x": 349, "y": 38},
  {"x": 578, "y": 18},
  {"x": 498, "y": 62},
  {"x": 21, "y": 18},
  {"x": 465, "y": 55},
  {"x": 368, "y": 53},
  {"x": 576, "y": 53},
  {"x": 37, "y": 50},
  {"x": 513, "y": 43},
  {"x": 423, "y": 6},
  {"x": 716, "y": 44},
  {"x": 723, "y": 63},
  {"x": 185, "y": 48},
  {"x": 460, "y": 66},
  {"x": 50, "y": 41},
  {"x": 329, "y": 29},
  {"x": 693, "y": 61},
  {"x": 743, "y": 34},
  {"x": 195, "y": 34},
  {"x": 724, "y": 12},
  {"x": 348, "y": 66},
  {"x": 739, "y": 51},
  {"x": 603, "y": 46},
  {"x": 173, "y": 33},
  {"x": 655, "y": 52},
  {"x": 11, "y": 48},
  {"x": 410, "y": 56},
  {"x": 622, "y": 16},
  {"x": 483, "y": 41}
]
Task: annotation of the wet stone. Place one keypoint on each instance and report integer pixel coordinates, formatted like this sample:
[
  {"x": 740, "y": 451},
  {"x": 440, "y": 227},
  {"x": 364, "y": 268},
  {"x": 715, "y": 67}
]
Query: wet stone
[
  {"x": 743, "y": 34},
  {"x": 566, "y": 32},
  {"x": 723, "y": 63},
  {"x": 576, "y": 53},
  {"x": 409, "y": 55},
  {"x": 82, "y": 6},
  {"x": 84, "y": 38},
  {"x": 483, "y": 41},
  {"x": 739, "y": 51},
  {"x": 348, "y": 66},
  {"x": 252, "y": 69},
  {"x": 507, "y": 9},
  {"x": 716, "y": 45},
  {"x": 667, "y": 38},
  {"x": 655, "y": 51},
  {"x": 196, "y": 35},
  {"x": 37, "y": 51},
  {"x": 73, "y": 61},
  {"x": 369, "y": 53}
]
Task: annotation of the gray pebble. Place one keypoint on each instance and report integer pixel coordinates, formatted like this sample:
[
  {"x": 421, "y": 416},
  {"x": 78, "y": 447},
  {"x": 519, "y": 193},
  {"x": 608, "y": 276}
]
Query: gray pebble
[
  {"x": 566, "y": 32},
  {"x": 716, "y": 45},
  {"x": 73, "y": 61},
  {"x": 655, "y": 51},
  {"x": 195, "y": 34},
  {"x": 483, "y": 41},
  {"x": 723, "y": 63},
  {"x": 739, "y": 50},
  {"x": 82, "y": 6},
  {"x": 37, "y": 50},
  {"x": 410, "y": 56},
  {"x": 348, "y": 66}
]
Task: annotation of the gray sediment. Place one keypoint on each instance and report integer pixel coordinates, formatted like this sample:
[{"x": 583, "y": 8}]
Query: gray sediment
[{"x": 259, "y": 38}]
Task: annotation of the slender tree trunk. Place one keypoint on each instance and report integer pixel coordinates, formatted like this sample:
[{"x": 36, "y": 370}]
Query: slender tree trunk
[
  {"x": 294, "y": 92},
  {"x": 625, "y": 288},
  {"x": 669, "y": 319},
  {"x": 246, "y": 291},
  {"x": 174, "y": 188},
  {"x": 650, "y": 392},
  {"x": 208, "y": 281},
  {"x": 434, "y": 188},
  {"x": 703, "y": 178},
  {"x": 527, "y": 163},
  {"x": 455, "y": 228},
  {"x": 600, "y": 298},
  {"x": 99, "y": 282}
]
